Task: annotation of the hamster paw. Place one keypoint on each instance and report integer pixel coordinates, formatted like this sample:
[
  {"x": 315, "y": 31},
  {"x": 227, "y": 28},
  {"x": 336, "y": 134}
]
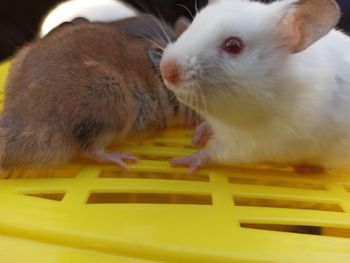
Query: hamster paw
[
  {"x": 193, "y": 161},
  {"x": 202, "y": 134},
  {"x": 120, "y": 158}
]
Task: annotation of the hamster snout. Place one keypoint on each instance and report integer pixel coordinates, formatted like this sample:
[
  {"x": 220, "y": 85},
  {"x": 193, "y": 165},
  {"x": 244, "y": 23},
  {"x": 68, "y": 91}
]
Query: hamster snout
[
  {"x": 170, "y": 70},
  {"x": 180, "y": 74}
]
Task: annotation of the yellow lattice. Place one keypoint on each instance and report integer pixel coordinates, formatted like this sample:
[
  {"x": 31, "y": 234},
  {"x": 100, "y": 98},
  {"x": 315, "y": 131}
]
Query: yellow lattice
[{"x": 87, "y": 212}]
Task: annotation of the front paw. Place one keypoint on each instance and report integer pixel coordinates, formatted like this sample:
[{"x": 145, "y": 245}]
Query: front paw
[
  {"x": 202, "y": 134},
  {"x": 193, "y": 161}
]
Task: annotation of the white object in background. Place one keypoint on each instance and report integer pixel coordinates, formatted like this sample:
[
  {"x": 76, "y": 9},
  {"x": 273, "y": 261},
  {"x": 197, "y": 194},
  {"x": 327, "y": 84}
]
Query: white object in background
[{"x": 93, "y": 10}]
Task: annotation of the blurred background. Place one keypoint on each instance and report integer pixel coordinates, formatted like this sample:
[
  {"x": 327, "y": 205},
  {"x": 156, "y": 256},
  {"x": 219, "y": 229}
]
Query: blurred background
[{"x": 20, "y": 19}]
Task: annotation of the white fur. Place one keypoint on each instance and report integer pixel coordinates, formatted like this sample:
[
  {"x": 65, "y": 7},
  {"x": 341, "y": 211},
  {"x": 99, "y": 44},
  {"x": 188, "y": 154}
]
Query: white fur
[
  {"x": 266, "y": 104},
  {"x": 93, "y": 10}
]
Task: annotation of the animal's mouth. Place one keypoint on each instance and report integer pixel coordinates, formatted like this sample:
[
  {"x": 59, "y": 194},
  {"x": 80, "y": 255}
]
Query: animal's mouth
[
  {"x": 182, "y": 90},
  {"x": 191, "y": 97},
  {"x": 182, "y": 95},
  {"x": 183, "y": 82}
]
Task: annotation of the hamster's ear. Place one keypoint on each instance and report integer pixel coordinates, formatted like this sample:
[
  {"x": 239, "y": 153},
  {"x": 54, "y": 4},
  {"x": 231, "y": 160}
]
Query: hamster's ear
[
  {"x": 307, "y": 21},
  {"x": 182, "y": 23},
  {"x": 80, "y": 20}
]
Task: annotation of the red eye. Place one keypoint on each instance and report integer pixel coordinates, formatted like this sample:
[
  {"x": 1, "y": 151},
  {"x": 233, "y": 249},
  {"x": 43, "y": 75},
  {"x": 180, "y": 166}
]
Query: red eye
[{"x": 233, "y": 45}]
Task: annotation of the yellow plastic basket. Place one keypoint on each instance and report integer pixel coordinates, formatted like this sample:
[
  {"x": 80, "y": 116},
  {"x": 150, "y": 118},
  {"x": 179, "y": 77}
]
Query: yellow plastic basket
[{"x": 92, "y": 213}]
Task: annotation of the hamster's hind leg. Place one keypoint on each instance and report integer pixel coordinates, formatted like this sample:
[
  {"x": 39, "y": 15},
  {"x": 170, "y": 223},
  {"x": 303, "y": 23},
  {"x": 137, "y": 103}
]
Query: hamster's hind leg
[
  {"x": 94, "y": 149},
  {"x": 120, "y": 158}
]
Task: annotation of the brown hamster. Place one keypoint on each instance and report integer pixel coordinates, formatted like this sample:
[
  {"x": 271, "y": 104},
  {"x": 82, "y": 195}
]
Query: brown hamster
[{"x": 82, "y": 86}]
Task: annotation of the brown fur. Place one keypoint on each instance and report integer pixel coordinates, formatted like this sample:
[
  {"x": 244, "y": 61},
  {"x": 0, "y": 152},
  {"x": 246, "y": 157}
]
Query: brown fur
[{"x": 77, "y": 89}]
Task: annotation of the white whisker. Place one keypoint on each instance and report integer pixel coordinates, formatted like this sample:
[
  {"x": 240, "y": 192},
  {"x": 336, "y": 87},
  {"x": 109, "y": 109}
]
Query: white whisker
[
  {"x": 204, "y": 102},
  {"x": 187, "y": 9},
  {"x": 196, "y": 6},
  {"x": 161, "y": 23}
]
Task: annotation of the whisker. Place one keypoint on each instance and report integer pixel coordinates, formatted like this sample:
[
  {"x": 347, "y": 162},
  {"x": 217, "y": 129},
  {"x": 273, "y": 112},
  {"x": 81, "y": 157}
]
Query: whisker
[
  {"x": 164, "y": 36},
  {"x": 148, "y": 11},
  {"x": 191, "y": 112},
  {"x": 196, "y": 6},
  {"x": 142, "y": 7},
  {"x": 154, "y": 42},
  {"x": 193, "y": 106},
  {"x": 200, "y": 104},
  {"x": 162, "y": 25},
  {"x": 187, "y": 9},
  {"x": 204, "y": 102}
]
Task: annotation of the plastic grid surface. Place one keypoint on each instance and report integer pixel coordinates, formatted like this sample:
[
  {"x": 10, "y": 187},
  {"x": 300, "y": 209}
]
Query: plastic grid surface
[{"x": 87, "y": 212}]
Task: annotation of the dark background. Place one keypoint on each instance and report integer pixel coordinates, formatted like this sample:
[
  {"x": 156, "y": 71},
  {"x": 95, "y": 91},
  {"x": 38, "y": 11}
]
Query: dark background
[{"x": 20, "y": 19}]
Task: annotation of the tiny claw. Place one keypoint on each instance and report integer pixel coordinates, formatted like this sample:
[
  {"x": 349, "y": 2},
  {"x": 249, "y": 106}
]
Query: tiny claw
[
  {"x": 193, "y": 161},
  {"x": 115, "y": 157},
  {"x": 176, "y": 162}
]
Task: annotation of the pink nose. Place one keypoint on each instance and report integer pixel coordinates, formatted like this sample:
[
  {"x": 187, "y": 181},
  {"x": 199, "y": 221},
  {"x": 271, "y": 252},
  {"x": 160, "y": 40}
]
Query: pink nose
[{"x": 170, "y": 71}]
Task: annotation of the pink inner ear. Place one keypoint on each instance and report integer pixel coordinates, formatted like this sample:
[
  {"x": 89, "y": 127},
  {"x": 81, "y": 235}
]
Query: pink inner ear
[{"x": 291, "y": 32}]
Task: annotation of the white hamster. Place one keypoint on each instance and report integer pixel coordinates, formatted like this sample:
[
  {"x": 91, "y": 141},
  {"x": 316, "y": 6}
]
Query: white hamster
[
  {"x": 93, "y": 10},
  {"x": 271, "y": 80}
]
